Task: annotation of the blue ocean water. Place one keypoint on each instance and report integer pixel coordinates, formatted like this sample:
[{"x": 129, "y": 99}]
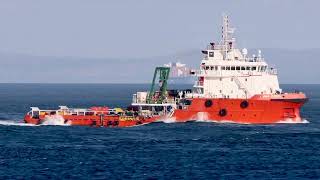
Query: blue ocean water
[{"x": 195, "y": 150}]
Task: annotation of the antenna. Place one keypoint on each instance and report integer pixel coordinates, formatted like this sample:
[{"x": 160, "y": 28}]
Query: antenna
[
  {"x": 259, "y": 53},
  {"x": 228, "y": 42},
  {"x": 244, "y": 52}
]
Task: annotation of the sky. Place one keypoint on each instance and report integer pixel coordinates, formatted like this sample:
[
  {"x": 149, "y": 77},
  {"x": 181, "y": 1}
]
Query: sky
[
  {"x": 144, "y": 28},
  {"x": 141, "y": 29}
]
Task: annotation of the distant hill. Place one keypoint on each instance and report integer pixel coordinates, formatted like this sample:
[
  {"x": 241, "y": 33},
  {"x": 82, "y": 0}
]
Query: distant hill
[{"x": 295, "y": 66}]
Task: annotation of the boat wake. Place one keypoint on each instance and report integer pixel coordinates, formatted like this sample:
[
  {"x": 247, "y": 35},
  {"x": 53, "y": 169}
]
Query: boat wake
[
  {"x": 168, "y": 120},
  {"x": 215, "y": 121},
  {"x": 54, "y": 120},
  {"x": 291, "y": 121},
  {"x": 203, "y": 118},
  {"x": 14, "y": 123}
]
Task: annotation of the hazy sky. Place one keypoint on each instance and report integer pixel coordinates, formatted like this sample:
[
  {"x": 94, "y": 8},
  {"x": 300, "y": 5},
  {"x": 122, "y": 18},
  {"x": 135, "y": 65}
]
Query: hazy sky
[{"x": 145, "y": 28}]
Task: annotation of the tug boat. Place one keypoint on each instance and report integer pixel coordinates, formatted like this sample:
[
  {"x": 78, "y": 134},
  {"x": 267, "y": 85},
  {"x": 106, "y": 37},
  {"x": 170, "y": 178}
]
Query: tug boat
[{"x": 230, "y": 87}]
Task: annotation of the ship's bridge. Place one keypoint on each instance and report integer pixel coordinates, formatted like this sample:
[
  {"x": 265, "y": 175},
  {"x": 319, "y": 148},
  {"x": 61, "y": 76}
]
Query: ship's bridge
[{"x": 228, "y": 72}]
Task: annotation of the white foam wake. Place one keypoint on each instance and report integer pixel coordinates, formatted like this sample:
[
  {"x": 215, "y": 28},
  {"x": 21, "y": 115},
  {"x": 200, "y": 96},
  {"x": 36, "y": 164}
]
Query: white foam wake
[
  {"x": 168, "y": 120},
  {"x": 217, "y": 121},
  {"x": 202, "y": 117},
  {"x": 14, "y": 123},
  {"x": 291, "y": 121},
  {"x": 54, "y": 120}
]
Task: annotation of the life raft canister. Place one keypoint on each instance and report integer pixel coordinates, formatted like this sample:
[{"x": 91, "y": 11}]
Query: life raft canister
[
  {"x": 223, "y": 112},
  {"x": 244, "y": 104},
  {"x": 208, "y": 103}
]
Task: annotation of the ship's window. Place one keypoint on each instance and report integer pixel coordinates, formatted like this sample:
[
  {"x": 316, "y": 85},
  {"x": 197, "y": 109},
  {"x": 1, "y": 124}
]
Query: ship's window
[
  {"x": 231, "y": 79},
  {"x": 228, "y": 68},
  {"x": 248, "y": 68},
  {"x": 211, "y": 54},
  {"x": 238, "y": 67},
  {"x": 233, "y": 68},
  {"x": 211, "y": 68},
  {"x": 186, "y": 102},
  {"x": 243, "y": 68},
  {"x": 89, "y": 113},
  {"x": 207, "y": 67},
  {"x": 220, "y": 91},
  {"x": 216, "y": 68},
  {"x": 253, "y": 68},
  {"x": 220, "y": 79},
  {"x": 246, "y": 79},
  {"x": 223, "y": 68}
]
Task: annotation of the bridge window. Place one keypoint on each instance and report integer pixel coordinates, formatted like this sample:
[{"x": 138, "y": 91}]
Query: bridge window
[
  {"x": 207, "y": 67},
  {"x": 238, "y": 67},
  {"x": 223, "y": 68},
  {"x": 211, "y": 67},
  {"x": 211, "y": 54},
  {"x": 243, "y": 68},
  {"x": 228, "y": 68},
  {"x": 233, "y": 68},
  {"x": 248, "y": 68},
  {"x": 264, "y": 68},
  {"x": 80, "y": 113},
  {"x": 254, "y": 68}
]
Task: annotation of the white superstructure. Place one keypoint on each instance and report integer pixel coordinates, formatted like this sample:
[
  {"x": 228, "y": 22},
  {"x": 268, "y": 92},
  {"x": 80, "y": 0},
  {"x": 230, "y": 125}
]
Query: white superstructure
[{"x": 228, "y": 72}]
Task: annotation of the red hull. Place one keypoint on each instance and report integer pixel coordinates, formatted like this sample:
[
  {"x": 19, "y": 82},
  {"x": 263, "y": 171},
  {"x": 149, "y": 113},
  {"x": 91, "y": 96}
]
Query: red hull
[{"x": 260, "y": 109}]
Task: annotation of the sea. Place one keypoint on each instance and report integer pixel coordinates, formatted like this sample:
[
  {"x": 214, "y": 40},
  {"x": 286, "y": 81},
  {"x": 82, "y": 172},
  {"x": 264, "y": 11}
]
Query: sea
[{"x": 162, "y": 150}]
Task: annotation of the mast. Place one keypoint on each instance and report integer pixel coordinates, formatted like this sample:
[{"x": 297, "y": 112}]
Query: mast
[{"x": 228, "y": 41}]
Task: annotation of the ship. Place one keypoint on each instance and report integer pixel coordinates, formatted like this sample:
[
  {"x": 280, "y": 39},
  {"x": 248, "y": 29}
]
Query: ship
[{"x": 230, "y": 86}]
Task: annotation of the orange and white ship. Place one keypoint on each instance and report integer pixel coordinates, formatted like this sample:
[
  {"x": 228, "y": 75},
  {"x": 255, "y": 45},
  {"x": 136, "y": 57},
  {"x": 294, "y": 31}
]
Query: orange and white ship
[
  {"x": 230, "y": 87},
  {"x": 233, "y": 87}
]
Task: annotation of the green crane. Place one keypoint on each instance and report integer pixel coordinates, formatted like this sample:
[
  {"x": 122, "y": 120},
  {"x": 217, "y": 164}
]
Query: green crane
[{"x": 154, "y": 96}]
